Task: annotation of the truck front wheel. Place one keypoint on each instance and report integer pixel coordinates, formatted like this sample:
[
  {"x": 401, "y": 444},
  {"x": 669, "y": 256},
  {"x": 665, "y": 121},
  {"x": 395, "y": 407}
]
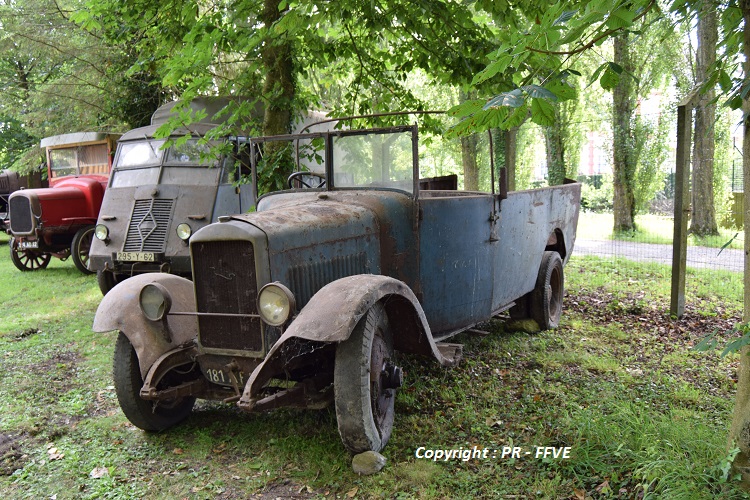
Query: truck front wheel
[
  {"x": 27, "y": 260},
  {"x": 146, "y": 415},
  {"x": 107, "y": 280},
  {"x": 80, "y": 248},
  {"x": 365, "y": 383},
  {"x": 547, "y": 297}
]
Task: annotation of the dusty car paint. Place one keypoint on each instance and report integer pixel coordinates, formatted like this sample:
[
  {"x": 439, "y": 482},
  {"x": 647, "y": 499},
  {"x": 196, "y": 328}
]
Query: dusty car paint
[{"x": 435, "y": 262}]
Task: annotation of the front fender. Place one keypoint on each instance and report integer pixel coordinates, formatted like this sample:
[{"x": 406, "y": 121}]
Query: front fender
[
  {"x": 332, "y": 314},
  {"x": 120, "y": 310}
]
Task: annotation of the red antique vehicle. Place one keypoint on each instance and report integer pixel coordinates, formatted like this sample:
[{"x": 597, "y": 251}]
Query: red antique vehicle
[{"x": 59, "y": 221}]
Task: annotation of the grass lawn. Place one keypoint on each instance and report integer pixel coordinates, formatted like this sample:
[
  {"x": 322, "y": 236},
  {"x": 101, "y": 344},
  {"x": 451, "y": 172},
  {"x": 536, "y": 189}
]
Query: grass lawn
[
  {"x": 650, "y": 229},
  {"x": 641, "y": 414}
]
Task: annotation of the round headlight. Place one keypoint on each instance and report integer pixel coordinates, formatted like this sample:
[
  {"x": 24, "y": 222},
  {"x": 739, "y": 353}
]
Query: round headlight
[
  {"x": 275, "y": 304},
  {"x": 101, "y": 232},
  {"x": 184, "y": 231},
  {"x": 155, "y": 301}
]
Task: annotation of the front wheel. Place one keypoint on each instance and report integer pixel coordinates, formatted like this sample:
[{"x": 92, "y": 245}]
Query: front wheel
[
  {"x": 365, "y": 383},
  {"x": 146, "y": 415},
  {"x": 547, "y": 297},
  {"x": 27, "y": 260},
  {"x": 108, "y": 279},
  {"x": 81, "y": 247}
]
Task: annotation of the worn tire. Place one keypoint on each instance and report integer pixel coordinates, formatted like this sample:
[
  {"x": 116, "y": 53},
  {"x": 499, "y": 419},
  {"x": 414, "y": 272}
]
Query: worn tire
[
  {"x": 364, "y": 405},
  {"x": 27, "y": 260},
  {"x": 81, "y": 247},
  {"x": 146, "y": 415},
  {"x": 107, "y": 280},
  {"x": 547, "y": 297}
]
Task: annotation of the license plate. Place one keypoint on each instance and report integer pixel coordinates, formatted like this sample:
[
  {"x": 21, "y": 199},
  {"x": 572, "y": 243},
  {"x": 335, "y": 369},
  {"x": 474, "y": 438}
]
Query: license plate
[
  {"x": 221, "y": 377},
  {"x": 25, "y": 245},
  {"x": 136, "y": 256}
]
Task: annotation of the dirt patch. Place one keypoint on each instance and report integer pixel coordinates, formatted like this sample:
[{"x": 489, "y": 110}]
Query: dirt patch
[{"x": 11, "y": 456}]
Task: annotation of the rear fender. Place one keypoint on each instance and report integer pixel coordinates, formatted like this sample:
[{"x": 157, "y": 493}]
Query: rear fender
[
  {"x": 333, "y": 312},
  {"x": 120, "y": 310}
]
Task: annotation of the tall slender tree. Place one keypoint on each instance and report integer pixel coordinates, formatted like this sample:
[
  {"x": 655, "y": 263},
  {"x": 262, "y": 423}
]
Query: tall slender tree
[{"x": 703, "y": 221}]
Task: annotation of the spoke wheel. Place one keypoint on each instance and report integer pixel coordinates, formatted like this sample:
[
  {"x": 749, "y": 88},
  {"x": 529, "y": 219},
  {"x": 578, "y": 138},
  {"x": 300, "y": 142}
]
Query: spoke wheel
[
  {"x": 81, "y": 247},
  {"x": 365, "y": 383},
  {"x": 27, "y": 260},
  {"x": 547, "y": 297},
  {"x": 146, "y": 415}
]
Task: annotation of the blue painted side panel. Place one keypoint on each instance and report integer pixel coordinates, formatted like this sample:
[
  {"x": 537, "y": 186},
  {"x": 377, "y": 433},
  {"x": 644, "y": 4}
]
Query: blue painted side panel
[
  {"x": 527, "y": 219},
  {"x": 456, "y": 260}
]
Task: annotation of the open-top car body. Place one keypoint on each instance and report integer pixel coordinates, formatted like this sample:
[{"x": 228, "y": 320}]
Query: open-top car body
[
  {"x": 304, "y": 301},
  {"x": 58, "y": 221}
]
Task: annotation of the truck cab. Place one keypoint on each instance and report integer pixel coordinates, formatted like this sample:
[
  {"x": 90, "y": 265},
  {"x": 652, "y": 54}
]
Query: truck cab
[{"x": 162, "y": 190}]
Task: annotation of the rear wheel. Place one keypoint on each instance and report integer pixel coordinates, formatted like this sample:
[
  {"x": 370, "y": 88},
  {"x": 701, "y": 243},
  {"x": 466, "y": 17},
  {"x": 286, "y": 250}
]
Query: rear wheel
[
  {"x": 547, "y": 297},
  {"x": 27, "y": 260},
  {"x": 80, "y": 248},
  {"x": 107, "y": 280},
  {"x": 365, "y": 383},
  {"x": 146, "y": 415}
]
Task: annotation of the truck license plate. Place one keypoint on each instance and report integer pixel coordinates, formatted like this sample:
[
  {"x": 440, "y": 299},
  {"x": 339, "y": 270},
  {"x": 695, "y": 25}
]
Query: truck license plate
[
  {"x": 136, "y": 256},
  {"x": 26, "y": 245}
]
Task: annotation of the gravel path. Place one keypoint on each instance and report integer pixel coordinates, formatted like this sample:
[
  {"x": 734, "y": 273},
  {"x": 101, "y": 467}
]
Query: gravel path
[{"x": 731, "y": 260}]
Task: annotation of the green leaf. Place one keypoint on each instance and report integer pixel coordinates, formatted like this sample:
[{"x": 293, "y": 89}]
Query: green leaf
[
  {"x": 492, "y": 69},
  {"x": 512, "y": 99},
  {"x": 467, "y": 108},
  {"x": 517, "y": 117},
  {"x": 537, "y": 91},
  {"x": 542, "y": 112},
  {"x": 565, "y": 17},
  {"x": 610, "y": 78},
  {"x": 725, "y": 81},
  {"x": 563, "y": 91}
]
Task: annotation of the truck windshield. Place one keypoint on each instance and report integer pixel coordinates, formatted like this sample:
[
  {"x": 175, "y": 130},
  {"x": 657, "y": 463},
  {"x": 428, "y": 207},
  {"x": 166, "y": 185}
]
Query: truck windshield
[{"x": 148, "y": 162}]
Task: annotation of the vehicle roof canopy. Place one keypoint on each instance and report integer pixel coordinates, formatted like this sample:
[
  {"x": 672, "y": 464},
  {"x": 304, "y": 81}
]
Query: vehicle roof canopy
[
  {"x": 76, "y": 138},
  {"x": 212, "y": 105}
]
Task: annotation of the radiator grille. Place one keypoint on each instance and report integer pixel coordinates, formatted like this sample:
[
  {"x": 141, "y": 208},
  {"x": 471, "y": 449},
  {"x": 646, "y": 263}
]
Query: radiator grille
[
  {"x": 21, "y": 218},
  {"x": 149, "y": 226},
  {"x": 306, "y": 279},
  {"x": 225, "y": 282}
]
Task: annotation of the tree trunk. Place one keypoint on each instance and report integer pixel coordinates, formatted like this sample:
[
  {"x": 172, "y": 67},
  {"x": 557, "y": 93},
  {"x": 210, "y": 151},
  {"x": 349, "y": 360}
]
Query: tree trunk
[
  {"x": 469, "y": 160},
  {"x": 469, "y": 153},
  {"x": 704, "y": 213},
  {"x": 553, "y": 140},
  {"x": 739, "y": 432},
  {"x": 278, "y": 94},
  {"x": 623, "y": 162},
  {"x": 505, "y": 148}
]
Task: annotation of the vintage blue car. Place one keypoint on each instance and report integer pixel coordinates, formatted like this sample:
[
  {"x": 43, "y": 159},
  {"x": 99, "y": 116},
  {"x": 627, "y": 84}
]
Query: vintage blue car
[{"x": 303, "y": 302}]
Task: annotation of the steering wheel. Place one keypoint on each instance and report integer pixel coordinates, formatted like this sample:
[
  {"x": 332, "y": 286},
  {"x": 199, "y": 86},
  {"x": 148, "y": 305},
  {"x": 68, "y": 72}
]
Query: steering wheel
[{"x": 297, "y": 176}]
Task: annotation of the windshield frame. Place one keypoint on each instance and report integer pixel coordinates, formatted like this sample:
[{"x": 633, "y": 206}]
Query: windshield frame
[
  {"x": 329, "y": 157},
  {"x": 164, "y": 158}
]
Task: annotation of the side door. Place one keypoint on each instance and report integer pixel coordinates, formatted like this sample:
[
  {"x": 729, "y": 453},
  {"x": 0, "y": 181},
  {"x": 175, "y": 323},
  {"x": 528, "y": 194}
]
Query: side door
[{"x": 456, "y": 258}]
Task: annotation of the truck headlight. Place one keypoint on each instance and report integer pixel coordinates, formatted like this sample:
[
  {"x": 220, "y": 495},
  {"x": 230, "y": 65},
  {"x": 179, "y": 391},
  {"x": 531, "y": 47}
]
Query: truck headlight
[
  {"x": 184, "y": 231},
  {"x": 155, "y": 301},
  {"x": 275, "y": 304},
  {"x": 101, "y": 232}
]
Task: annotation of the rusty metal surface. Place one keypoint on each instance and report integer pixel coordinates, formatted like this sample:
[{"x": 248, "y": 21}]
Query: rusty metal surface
[
  {"x": 439, "y": 261},
  {"x": 332, "y": 314},
  {"x": 119, "y": 310}
]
